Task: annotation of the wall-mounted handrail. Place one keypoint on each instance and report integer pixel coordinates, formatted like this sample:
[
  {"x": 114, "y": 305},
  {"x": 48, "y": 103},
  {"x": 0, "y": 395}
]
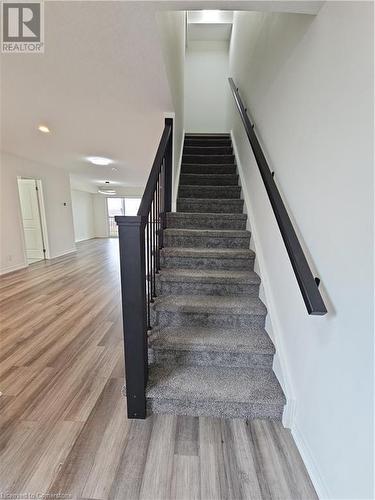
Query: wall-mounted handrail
[
  {"x": 306, "y": 281},
  {"x": 140, "y": 240}
]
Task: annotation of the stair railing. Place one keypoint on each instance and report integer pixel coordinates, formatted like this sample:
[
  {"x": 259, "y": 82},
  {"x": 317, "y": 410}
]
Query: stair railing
[
  {"x": 141, "y": 239},
  {"x": 306, "y": 281}
]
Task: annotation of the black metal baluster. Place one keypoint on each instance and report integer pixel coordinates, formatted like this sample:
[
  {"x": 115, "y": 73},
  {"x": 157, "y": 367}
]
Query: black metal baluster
[
  {"x": 157, "y": 228},
  {"x": 150, "y": 256},
  {"x": 140, "y": 239},
  {"x": 162, "y": 188},
  {"x": 148, "y": 275},
  {"x": 154, "y": 241}
]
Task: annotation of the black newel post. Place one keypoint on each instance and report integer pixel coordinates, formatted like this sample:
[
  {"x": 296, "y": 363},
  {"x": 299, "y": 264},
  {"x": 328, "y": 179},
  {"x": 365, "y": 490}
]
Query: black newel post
[{"x": 133, "y": 288}]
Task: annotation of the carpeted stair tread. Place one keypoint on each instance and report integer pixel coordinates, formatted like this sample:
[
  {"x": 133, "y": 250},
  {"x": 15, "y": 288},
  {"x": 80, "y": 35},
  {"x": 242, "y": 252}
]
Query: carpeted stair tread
[
  {"x": 194, "y": 158},
  {"x": 239, "y": 340},
  {"x": 207, "y": 150},
  {"x": 214, "y": 215},
  {"x": 210, "y": 304},
  {"x": 222, "y": 253},
  {"x": 212, "y": 383},
  {"x": 210, "y": 179},
  {"x": 209, "y": 276},
  {"x": 209, "y": 352},
  {"x": 201, "y": 220},
  {"x": 207, "y": 168},
  {"x": 212, "y": 205},
  {"x": 207, "y": 134},
  {"x": 206, "y": 191},
  {"x": 210, "y": 142},
  {"x": 207, "y": 258},
  {"x": 228, "y": 233}
]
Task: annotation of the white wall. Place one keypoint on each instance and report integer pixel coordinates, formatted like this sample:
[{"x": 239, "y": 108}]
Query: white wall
[
  {"x": 308, "y": 82},
  {"x": 100, "y": 216},
  {"x": 56, "y": 191},
  {"x": 172, "y": 36},
  {"x": 206, "y": 87},
  {"x": 83, "y": 215}
]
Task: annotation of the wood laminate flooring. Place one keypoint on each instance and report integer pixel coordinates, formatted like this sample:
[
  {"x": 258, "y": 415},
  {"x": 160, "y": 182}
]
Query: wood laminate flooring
[{"x": 63, "y": 419}]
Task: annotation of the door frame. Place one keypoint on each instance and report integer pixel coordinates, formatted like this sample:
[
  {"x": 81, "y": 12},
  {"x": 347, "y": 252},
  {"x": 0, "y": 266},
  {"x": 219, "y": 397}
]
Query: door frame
[{"x": 42, "y": 215}]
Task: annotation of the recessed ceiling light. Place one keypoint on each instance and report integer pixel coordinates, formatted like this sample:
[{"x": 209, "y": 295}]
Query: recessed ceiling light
[
  {"x": 99, "y": 160},
  {"x": 44, "y": 129}
]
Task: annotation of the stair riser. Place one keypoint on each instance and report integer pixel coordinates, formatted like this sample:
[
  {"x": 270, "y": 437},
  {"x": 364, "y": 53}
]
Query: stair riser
[
  {"x": 169, "y": 357},
  {"x": 227, "y": 206},
  {"x": 205, "y": 222},
  {"x": 206, "y": 263},
  {"x": 213, "y": 159},
  {"x": 184, "y": 288},
  {"x": 206, "y": 241},
  {"x": 177, "y": 318},
  {"x": 209, "y": 192},
  {"x": 208, "y": 142},
  {"x": 208, "y": 180},
  {"x": 208, "y": 169},
  {"x": 207, "y": 150},
  {"x": 215, "y": 409}
]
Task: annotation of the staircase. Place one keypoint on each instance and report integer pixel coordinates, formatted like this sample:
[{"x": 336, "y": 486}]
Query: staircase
[{"x": 210, "y": 354}]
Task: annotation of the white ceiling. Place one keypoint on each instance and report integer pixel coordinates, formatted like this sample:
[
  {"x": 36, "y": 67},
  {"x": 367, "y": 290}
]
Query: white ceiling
[
  {"x": 292, "y": 6},
  {"x": 100, "y": 86},
  {"x": 209, "y": 25}
]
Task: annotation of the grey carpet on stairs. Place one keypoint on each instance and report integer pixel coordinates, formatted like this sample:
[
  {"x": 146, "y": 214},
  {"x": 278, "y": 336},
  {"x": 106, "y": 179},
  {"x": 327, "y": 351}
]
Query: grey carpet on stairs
[{"x": 209, "y": 352}]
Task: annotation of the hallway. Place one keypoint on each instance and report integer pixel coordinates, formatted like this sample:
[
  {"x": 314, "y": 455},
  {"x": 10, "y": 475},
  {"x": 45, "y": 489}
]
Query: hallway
[{"x": 63, "y": 418}]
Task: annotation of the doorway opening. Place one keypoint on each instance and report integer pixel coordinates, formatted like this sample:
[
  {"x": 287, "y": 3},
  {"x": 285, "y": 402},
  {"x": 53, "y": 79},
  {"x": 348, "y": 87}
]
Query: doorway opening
[
  {"x": 120, "y": 206},
  {"x": 33, "y": 219}
]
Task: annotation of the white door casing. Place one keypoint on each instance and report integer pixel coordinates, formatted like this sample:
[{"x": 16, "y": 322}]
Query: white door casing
[{"x": 31, "y": 219}]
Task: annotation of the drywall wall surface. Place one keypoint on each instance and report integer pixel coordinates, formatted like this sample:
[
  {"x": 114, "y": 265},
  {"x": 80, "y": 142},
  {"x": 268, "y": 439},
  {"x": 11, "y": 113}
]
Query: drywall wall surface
[
  {"x": 57, "y": 201},
  {"x": 83, "y": 215},
  {"x": 308, "y": 84},
  {"x": 172, "y": 35},
  {"x": 206, "y": 87}
]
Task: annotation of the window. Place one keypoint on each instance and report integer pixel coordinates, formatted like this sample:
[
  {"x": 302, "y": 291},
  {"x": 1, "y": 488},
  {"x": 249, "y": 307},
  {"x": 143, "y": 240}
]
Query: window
[{"x": 120, "y": 206}]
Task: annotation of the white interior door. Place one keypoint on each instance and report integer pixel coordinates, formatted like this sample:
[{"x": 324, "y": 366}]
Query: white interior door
[{"x": 31, "y": 219}]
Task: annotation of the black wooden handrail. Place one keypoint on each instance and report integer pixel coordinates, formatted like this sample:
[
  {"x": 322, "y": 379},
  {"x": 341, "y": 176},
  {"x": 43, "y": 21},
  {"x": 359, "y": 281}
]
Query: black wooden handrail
[
  {"x": 147, "y": 197},
  {"x": 140, "y": 240},
  {"x": 306, "y": 281}
]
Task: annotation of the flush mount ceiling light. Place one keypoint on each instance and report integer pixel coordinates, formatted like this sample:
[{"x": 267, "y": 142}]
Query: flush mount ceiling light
[
  {"x": 99, "y": 160},
  {"x": 44, "y": 129},
  {"x": 106, "y": 191}
]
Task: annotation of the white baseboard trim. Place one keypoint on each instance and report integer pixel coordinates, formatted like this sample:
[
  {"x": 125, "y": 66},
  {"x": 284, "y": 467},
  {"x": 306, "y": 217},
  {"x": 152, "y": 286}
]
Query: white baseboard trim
[
  {"x": 176, "y": 180},
  {"x": 312, "y": 467},
  {"x": 85, "y": 239},
  {"x": 280, "y": 367},
  {"x": 61, "y": 254},
  {"x": 12, "y": 269}
]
